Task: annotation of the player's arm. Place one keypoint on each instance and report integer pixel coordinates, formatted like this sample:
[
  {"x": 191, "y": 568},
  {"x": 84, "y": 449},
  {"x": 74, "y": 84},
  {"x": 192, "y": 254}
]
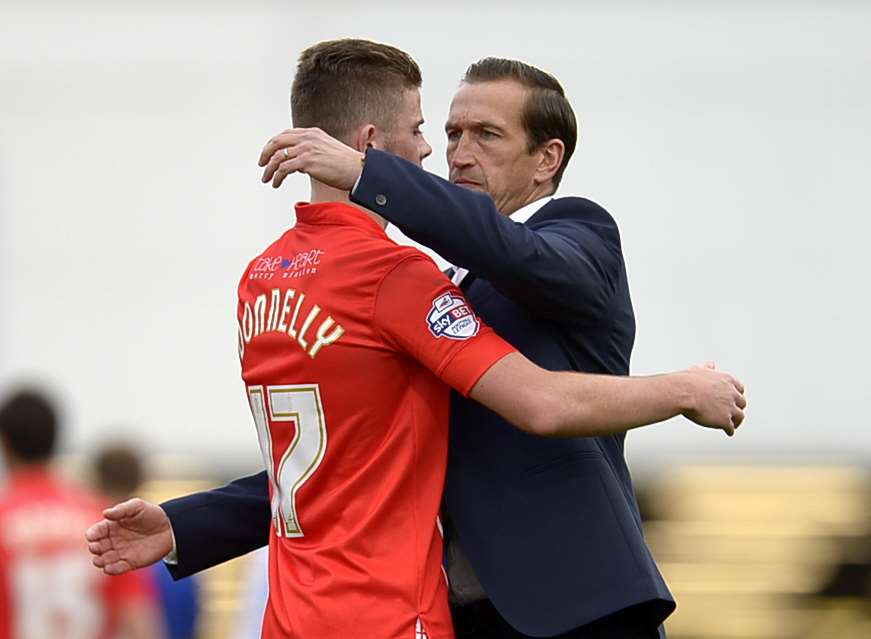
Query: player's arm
[
  {"x": 418, "y": 311},
  {"x": 561, "y": 404}
]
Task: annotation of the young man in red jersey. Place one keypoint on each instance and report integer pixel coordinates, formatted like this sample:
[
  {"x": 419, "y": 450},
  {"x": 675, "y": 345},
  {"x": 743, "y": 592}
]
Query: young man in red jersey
[
  {"x": 349, "y": 346},
  {"x": 47, "y": 587}
]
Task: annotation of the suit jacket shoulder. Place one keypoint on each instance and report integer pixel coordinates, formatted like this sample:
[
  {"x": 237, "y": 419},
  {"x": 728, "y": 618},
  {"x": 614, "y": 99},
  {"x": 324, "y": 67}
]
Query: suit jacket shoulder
[{"x": 579, "y": 209}]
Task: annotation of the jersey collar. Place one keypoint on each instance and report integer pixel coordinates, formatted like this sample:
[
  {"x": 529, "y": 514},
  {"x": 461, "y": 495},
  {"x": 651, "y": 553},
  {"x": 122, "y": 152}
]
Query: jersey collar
[
  {"x": 29, "y": 475},
  {"x": 336, "y": 213}
]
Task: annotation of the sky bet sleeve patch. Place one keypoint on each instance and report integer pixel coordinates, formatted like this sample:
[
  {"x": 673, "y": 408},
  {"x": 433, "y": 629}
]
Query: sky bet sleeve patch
[
  {"x": 450, "y": 316},
  {"x": 416, "y": 305}
]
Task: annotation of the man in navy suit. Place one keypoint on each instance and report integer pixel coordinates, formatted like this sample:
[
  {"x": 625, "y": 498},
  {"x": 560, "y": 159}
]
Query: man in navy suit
[{"x": 544, "y": 536}]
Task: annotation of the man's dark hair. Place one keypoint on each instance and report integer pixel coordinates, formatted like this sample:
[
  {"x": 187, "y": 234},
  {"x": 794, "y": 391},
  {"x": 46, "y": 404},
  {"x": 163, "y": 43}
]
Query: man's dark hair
[
  {"x": 118, "y": 470},
  {"x": 547, "y": 113},
  {"x": 28, "y": 426},
  {"x": 342, "y": 84}
]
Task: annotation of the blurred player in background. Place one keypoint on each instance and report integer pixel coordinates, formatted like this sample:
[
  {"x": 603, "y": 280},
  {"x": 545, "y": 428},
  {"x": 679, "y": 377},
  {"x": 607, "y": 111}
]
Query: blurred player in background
[
  {"x": 48, "y": 589},
  {"x": 119, "y": 474}
]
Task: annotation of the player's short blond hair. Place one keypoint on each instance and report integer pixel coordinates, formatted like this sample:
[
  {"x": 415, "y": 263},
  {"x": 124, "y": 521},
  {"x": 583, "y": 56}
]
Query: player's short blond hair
[{"x": 343, "y": 84}]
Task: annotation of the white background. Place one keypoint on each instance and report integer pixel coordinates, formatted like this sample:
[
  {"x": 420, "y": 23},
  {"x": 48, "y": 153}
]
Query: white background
[{"x": 729, "y": 139}]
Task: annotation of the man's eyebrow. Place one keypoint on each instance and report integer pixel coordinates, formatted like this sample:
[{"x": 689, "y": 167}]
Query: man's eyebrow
[{"x": 476, "y": 125}]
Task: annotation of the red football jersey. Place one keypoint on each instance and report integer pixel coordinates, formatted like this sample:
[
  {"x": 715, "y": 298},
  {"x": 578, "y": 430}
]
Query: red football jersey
[
  {"x": 48, "y": 587},
  {"x": 349, "y": 344}
]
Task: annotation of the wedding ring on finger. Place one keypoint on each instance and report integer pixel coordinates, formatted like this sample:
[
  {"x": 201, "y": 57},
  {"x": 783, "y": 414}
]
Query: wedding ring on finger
[{"x": 285, "y": 152}]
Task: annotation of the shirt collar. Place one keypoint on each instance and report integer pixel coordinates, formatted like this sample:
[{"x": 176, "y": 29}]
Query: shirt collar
[{"x": 522, "y": 214}]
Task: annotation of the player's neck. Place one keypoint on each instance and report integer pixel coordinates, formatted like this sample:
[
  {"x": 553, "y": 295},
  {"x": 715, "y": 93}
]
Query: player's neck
[{"x": 320, "y": 192}]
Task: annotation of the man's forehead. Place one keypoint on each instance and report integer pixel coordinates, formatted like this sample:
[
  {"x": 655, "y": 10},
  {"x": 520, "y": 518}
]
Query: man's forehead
[{"x": 491, "y": 102}]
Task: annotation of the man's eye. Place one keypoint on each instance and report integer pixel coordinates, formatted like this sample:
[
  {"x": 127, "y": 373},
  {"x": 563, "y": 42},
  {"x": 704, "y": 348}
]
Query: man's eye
[
  {"x": 453, "y": 136},
  {"x": 486, "y": 134}
]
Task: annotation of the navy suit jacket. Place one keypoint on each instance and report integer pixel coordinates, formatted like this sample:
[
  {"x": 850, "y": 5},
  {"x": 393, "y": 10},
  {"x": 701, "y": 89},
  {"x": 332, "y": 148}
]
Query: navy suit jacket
[{"x": 551, "y": 526}]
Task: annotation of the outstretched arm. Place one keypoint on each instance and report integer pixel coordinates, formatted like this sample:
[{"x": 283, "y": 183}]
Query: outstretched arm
[
  {"x": 438, "y": 328},
  {"x": 210, "y": 527},
  {"x": 215, "y": 526},
  {"x": 561, "y": 404}
]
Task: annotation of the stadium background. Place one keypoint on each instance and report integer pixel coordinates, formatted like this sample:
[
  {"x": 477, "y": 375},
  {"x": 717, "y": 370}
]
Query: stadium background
[{"x": 729, "y": 139}]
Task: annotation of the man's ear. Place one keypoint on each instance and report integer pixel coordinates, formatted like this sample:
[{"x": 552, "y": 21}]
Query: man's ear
[
  {"x": 365, "y": 138},
  {"x": 551, "y": 154}
]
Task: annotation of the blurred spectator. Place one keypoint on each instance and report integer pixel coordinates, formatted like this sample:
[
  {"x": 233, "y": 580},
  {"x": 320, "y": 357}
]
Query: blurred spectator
[
  {"x": 48, "y": 588},
  {"x": 843, "y": 601},
  {"x": 119, "y": 474}
]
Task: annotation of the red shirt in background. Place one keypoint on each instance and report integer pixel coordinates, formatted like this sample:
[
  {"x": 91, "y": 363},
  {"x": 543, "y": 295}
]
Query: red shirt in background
[
  {"x": 48, "y": 587},
  {"x": 349, "y": 346}
]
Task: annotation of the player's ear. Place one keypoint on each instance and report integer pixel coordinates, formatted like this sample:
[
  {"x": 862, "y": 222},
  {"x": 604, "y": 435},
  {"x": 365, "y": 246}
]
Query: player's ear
[{"x": 365, "y": 137}]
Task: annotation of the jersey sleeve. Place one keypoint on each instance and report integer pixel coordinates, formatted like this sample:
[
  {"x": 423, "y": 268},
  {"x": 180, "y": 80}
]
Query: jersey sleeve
[{"x": 420, "y": 312}]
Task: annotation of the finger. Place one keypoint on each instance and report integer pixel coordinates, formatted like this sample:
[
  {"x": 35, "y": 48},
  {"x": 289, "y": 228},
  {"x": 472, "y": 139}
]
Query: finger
[
  {"x": 737, "y": 384},
  {"x": 106, "y": 559},
  {"x": 269, "y": 148},
  {"x": 98, "y": 531},
  {"x": 737, "y": 418},
  {"x": 729, "y": 430},
  {"x": 285, "y": 169},
  {"x": 275, "y": 161},
  {"x": 123, "y": 510},
  {"x": 117, "y": 568},
  {"x": 283, "y": 139},
  {"x": 741, "y": 401},
  {"x": 271, "y": 167},
  {"x": 99, "y": 547}
]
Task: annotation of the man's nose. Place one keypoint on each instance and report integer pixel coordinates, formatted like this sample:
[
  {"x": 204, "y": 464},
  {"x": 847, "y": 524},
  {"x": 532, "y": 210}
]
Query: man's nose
[{"x": 460, "y": 154}]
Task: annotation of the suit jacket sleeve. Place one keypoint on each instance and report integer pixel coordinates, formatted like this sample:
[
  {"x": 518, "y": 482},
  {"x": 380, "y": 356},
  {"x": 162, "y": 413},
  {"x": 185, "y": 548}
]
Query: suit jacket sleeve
[
  {"x": 564, "y": 266},
  {"x": 214, "y": 526}
]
